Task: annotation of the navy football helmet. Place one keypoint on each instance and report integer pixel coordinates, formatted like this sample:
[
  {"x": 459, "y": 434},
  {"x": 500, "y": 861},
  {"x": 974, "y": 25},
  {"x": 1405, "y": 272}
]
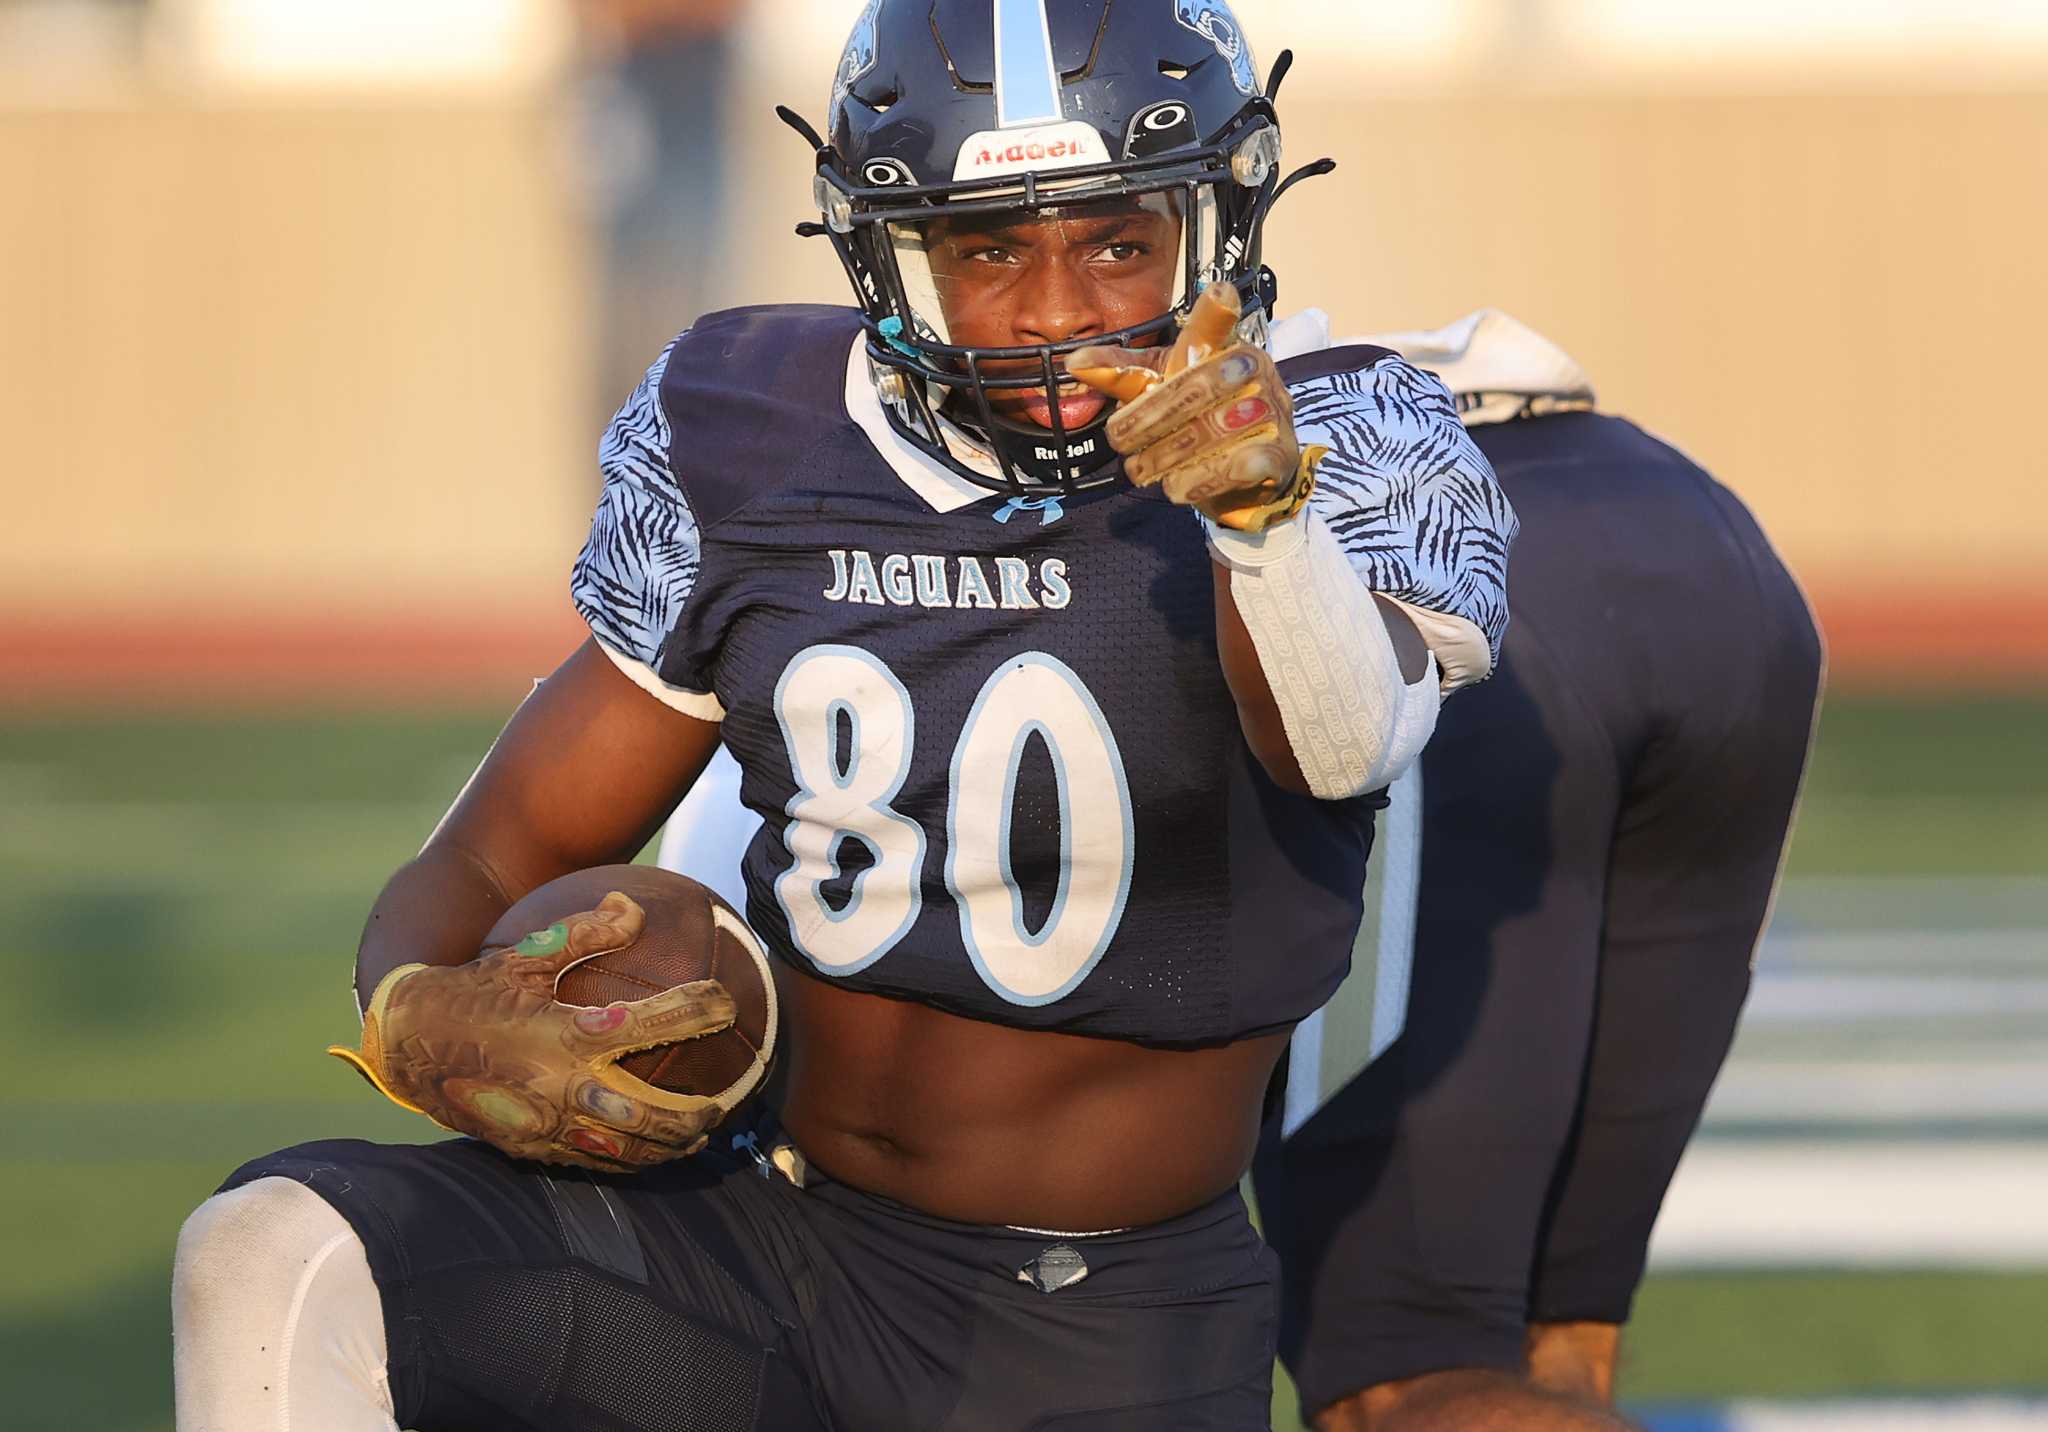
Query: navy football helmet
[{"x": 945, "y": 108}]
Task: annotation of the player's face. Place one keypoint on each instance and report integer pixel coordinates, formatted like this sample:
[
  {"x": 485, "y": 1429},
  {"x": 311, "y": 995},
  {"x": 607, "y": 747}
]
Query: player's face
[{"x": 1050, "y": 277}]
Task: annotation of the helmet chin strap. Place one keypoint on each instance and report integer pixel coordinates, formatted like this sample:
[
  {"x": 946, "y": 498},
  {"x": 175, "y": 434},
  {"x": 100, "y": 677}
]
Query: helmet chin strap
[{"x": 1037, "y": 453}]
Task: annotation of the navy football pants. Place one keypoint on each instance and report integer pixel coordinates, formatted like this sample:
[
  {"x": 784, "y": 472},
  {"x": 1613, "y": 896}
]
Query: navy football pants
[{"x": 705, "y": 1296}]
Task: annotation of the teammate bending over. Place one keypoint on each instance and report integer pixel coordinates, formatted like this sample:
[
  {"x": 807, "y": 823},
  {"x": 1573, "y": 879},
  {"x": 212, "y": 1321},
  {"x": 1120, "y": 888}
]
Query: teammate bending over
[
  {"x": 1067, "y": 786},
  {"x": 1578, "y": 868}
]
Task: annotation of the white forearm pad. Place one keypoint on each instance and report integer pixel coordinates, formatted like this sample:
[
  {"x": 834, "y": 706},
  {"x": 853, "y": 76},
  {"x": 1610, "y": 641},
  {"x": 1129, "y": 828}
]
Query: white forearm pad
[
  {"x": 275, "y": 1319},
  {"x": 1351, "y": 721}
]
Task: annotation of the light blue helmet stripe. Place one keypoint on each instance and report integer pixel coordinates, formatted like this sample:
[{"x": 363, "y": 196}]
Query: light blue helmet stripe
[{"x": 1027, "y": 82}]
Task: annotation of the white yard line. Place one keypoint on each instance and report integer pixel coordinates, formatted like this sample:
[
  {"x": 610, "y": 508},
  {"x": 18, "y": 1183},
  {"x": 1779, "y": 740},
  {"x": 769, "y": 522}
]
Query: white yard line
[
  {"x": 1961, "y": 1414},
  {"x": 1832, "y": 1203},
  {"x": 1806, "y": 995},
  {"x": 1910, "y": 903},
  {"x": 1907, "y": 950},
  {"x": 1880, "y": 1090}
]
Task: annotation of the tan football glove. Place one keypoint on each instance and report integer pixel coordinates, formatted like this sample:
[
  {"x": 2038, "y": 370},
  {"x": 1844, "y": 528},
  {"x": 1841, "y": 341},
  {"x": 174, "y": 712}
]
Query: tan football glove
[
  {"x": 1211, "y": 424},
  {"x": 483, "y": 1049}
]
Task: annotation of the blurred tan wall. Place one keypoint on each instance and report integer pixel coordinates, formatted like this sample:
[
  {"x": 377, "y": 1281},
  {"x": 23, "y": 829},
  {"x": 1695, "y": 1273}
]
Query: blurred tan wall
[
  {"x": 280, "y": 354},
  {"x": 332, "y": 357}
]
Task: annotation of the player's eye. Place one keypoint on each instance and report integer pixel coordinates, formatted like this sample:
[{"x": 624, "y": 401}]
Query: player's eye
[
  {"x": 1123, "y": 251},
  {"x": 988, "y": 254}
]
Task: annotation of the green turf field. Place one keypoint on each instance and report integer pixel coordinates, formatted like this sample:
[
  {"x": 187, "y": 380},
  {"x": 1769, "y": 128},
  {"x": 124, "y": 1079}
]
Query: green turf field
[{"x": 180, "y": 897}]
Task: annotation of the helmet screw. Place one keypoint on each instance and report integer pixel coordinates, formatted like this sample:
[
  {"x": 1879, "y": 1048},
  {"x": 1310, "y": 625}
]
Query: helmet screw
[
  {"x": 1256, "y": 157},
  {"x": 892, "y": 387},
  {"x": 834, "y": 205}
]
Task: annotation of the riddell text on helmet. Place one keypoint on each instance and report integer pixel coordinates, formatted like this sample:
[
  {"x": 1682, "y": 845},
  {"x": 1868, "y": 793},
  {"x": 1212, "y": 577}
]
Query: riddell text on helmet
[
  {"x": 1019, "y": 153},
  {"x": 995, "y": 152}
]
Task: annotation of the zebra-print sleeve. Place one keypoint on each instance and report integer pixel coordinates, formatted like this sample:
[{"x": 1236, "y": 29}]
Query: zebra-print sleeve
[
  {"x": 640, "y": 563},
  {"x": 1409, "y": 497}
]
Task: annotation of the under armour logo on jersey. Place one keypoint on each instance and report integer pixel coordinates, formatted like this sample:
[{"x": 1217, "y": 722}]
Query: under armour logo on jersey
[{"x": 1049, "y": 506}]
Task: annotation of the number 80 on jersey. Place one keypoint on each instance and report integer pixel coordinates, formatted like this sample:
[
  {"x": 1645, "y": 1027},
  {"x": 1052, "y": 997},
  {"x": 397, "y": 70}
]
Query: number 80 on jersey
[{"x": 845, "y": 790}]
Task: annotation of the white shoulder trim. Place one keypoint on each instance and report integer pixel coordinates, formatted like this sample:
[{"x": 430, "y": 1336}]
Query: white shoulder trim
[
  {"x": 700, "y": 704},
  {"x": 942, "y": 489}
]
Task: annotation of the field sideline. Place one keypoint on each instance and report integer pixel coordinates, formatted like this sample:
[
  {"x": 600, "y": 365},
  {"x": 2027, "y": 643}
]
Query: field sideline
[{"x": 168, "y": 884}]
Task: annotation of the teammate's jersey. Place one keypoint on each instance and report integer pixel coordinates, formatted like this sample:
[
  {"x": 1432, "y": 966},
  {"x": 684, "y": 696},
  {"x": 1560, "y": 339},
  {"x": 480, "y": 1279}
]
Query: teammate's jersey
[
  {"x": 1626, "y": 779},
  {"x": 996, "y": 763}
]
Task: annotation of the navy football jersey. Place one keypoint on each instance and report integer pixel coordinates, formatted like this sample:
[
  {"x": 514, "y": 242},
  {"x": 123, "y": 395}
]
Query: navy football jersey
[{"x": 996, "y": 763}]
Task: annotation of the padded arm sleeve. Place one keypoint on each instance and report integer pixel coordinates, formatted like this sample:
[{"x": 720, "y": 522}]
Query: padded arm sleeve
[
  {"x": 1351, "y": 721},
  {"x": 640, "y": 563}
]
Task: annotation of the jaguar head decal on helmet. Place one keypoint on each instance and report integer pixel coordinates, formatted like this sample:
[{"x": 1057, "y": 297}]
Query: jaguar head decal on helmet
[{"x": 950, "y": 115}]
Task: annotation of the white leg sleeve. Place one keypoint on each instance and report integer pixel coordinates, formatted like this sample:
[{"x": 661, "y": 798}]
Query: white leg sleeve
[
  {"x": 276, "y": 1325},
  {"x": 1351, "y": 721}
]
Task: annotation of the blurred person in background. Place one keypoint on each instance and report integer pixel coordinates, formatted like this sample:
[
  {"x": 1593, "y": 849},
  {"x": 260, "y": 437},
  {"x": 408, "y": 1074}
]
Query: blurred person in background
[
  {"x": 656, "y": 94},
  {"x": 1574, "y": 882}
]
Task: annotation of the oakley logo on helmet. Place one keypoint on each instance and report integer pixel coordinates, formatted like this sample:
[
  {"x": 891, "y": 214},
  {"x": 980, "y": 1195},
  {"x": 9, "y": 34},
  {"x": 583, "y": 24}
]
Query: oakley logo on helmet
[
  {"x": 881, "y": 173},
  {"x": 1163, "y": 126},
  {"x": 1212, "y": 20},
  {"x": 996, "y": 153}
]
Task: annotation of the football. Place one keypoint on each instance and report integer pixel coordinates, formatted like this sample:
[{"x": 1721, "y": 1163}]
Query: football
[{"x": 691, "y": 934}]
